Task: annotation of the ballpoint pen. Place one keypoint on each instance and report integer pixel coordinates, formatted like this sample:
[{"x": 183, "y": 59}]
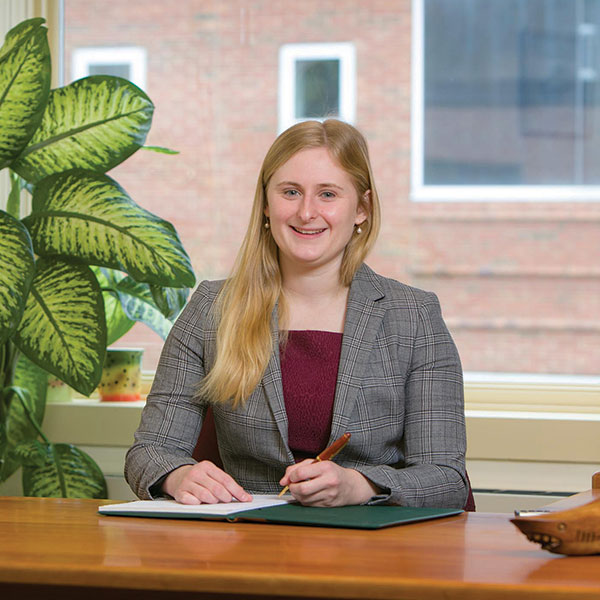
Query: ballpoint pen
[{"x": 327, "y": 454}]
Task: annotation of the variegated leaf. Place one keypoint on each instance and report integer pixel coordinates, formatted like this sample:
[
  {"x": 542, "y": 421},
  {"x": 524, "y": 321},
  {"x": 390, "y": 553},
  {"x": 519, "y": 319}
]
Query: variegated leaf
[
  {"x": 89, "y": 217},
  {"x": 117, "y": 322},
  {"x": 16, "y": 273},
  {"x": 60, "y": 471},
  {"x": 63, "y": 329},
  {"x": 24, "y": 86},
  {"x": 3, "y": 435},
  {"x": 34, "y": 380},
  {"x": 94, "y": 123},
  {"x": 139, "y": 305},
  {"x": 170, "y": 301}
]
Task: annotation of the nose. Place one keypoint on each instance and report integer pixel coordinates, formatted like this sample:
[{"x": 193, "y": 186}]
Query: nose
[{"x": 307, "y": 208}]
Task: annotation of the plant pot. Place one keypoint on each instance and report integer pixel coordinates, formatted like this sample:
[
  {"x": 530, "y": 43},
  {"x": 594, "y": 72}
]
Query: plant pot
[{"x": 121, "y": 375}]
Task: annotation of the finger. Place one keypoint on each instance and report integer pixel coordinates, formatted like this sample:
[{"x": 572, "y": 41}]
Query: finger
[
  {"x": 306, "y": 469},
  {"x": 227, "y": 486},
  {"x": 221, "y": 485},
  {"x": 307, "y": 494},
  {"x": 187, "y": 498},
  {"x": 320, "y": 484},
  {"x": 285, "y": 480}
]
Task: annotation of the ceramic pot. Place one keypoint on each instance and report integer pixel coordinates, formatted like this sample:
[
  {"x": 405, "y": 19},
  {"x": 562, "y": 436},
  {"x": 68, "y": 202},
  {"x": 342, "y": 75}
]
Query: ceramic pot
[{"x": 121, "y": 375}]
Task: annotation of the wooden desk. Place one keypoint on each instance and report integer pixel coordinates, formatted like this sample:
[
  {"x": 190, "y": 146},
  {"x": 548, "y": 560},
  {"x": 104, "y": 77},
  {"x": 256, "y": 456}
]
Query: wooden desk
[{"x": 55, "y": 548}]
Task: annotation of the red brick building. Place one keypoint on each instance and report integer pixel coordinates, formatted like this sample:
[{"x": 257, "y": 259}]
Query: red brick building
[{"x": 519, "y": 280}]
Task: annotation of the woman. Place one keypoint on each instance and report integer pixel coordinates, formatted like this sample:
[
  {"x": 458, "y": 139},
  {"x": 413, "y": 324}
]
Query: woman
[{"x": 302, "y": 343}]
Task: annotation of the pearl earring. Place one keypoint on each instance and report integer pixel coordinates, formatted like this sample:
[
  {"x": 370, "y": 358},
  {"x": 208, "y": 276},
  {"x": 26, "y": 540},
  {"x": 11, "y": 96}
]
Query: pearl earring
[
  {"x": 358, "y": 230},
  {"x": 267, "y": 225}
]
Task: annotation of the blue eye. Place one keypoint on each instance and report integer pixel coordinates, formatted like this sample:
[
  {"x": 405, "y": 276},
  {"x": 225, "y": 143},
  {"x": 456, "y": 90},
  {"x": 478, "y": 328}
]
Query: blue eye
[
  {"x": 290, "y": 192},
  {"x": 328, "y": 195}
]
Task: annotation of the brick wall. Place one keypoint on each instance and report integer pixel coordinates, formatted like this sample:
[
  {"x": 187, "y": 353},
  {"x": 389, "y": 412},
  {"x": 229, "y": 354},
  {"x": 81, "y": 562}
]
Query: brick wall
[{"x": 519, "y": 282}]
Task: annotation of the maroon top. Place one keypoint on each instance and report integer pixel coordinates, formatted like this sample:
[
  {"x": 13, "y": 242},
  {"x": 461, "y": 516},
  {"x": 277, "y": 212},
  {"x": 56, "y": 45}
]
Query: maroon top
[{"x": 309, "y": 367}]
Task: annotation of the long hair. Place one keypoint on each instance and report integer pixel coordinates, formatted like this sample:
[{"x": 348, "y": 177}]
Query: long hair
[{"x": 245, "y": 305}]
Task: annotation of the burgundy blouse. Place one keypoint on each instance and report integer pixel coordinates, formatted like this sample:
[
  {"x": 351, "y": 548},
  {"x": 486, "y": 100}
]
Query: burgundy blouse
[{"x": 309, "y": 366}]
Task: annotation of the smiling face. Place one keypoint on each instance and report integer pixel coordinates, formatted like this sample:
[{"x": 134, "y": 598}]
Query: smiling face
[{"x": 313, "y": 207}]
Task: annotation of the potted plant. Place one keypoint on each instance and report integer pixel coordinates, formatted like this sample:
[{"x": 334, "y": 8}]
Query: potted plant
[
  {"x": 83, "y": 244},
  {"x": 126, "y": 302}
]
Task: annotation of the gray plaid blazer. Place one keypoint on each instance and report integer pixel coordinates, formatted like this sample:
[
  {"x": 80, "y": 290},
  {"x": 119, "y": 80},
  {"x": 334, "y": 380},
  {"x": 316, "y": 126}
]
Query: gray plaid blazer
[{"x": 399, "y": 393}]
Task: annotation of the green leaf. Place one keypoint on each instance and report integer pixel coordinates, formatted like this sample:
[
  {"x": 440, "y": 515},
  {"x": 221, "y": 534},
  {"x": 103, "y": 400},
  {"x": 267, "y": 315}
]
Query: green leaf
[
  {"x": 60, "y": 471},
  {"x": 13, "y": 202},
  {"x": 24, "y": 86},
  {"x": 34, "y": 381},
  {"x": 160, "y": 149},
  {"x": 117, "y": 322},
  {"x": 170, "y": 301},
  {"x": 94, "y": 123},
  {"x": 63, "y": 329},
  {"x": 139, "y": 305},
  {"x": 16, "y": 273},
  {"x": 88, "y": 217},
  {"x": 3, "y": 435}
]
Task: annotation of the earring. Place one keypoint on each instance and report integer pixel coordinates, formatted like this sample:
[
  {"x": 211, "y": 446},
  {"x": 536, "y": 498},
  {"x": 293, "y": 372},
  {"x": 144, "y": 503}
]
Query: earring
[
  {"x": 358, "y": 230},
  {"x": 267, "y": 225}
]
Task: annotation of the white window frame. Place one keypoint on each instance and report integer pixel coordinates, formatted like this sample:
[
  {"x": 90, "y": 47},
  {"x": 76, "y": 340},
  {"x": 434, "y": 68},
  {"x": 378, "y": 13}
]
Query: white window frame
[
  {"x": 345, "y": 52},
  {"x": 420, "y": 192},
  {"x": 133, "y": 56}
]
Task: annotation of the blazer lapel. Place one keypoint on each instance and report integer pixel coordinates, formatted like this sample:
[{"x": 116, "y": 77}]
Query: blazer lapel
[
  {"x": 273, "y": 388},
  {"x": 363, "y": 320}
]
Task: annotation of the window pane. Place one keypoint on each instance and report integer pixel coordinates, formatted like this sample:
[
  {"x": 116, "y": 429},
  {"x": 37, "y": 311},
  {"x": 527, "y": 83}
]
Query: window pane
[
  {"x": 317, "y": 88},
  {"x": 511, "y": 92},
  {"x": 117, "y": 70}
]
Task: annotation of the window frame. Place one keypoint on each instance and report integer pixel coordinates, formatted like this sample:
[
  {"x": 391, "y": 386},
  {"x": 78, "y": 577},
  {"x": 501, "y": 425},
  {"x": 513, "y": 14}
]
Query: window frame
[
  {"x": 133, "y": 56},
  {"x": 421, "y": 192},
  {"x": 501, "y": 392},
  {"x": 345, "y": 52}
]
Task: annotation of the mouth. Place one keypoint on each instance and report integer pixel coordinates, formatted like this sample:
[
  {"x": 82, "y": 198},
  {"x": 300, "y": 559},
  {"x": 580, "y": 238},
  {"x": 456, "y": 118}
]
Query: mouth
[{"x": 307, "y": 231}]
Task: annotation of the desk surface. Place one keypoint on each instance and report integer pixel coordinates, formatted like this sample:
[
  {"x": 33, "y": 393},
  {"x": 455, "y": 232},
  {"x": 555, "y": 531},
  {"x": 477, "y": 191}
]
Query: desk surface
[{"x": 58, "y": 542}]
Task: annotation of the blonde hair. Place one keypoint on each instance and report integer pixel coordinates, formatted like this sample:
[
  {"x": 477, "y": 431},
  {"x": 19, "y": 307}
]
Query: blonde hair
[{"x": 248, "y": 297}]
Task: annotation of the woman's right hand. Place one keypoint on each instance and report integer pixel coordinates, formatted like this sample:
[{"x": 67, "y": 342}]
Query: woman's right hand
[{"x": 203, "y": 483}]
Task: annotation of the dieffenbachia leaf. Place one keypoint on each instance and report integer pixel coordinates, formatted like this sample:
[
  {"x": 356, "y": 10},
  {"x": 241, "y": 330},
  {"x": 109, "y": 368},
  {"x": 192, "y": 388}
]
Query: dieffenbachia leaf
[
  {"x": 138, "y": 304},
  {"x": 170, "y": 301},
  {"x": 16, "y": 273},
  {"x": 60, "y": 471},
  {"x": 24, "y": 86},
  {"x": 88, "y": 217},
  {"x": 117, "y": 322},
  {"x": 34, "y": 381},
  {"x": 127, "y": 301},
  {"x": 94, "y": 123},
  {"x": 63, "y": 329}
]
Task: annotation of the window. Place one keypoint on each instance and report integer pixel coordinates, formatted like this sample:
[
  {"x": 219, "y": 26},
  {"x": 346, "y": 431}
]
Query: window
[
  {"x": 316, "y": 81},
  {"x": 518, "y": 282},
  {"x": 129, "y": 63},
  {"x": 506, "y": 96}
]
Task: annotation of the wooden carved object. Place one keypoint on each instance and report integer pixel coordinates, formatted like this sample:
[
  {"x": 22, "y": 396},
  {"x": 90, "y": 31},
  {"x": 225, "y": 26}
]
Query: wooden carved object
[{"x": 574, "y": 531}]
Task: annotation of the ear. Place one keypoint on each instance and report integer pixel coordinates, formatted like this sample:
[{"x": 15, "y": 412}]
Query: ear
[
  {"x": 266, "y": 210},
  {"x": 363, "y": 210}
]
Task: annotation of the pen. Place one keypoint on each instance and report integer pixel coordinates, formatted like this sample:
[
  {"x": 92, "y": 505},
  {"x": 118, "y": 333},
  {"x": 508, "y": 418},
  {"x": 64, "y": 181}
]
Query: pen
[{"x": 327, "y": 454}]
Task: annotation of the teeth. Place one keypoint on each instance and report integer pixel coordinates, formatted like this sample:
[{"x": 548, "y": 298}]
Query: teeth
[
  {"x": 308, "y": 231},
  {"x": 547, "y": 541}
]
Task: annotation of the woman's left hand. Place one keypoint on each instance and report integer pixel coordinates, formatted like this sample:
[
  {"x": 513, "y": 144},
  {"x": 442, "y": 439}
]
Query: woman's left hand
[{"x": 327, "y": 484}]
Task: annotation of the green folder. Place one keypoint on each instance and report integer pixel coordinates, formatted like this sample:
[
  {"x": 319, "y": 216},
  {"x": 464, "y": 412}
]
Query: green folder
[{"x": 353, "y": 517}]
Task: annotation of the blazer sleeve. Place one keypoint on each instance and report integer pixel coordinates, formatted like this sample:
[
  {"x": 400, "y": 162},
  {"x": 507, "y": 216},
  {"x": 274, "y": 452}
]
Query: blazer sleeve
[
  {"x": 432, "y": 472},
  {"x": 172, "y": 417}
]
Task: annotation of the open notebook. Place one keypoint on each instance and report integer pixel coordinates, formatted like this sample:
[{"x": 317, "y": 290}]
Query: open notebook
[{"x": 272, "y": 509}]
